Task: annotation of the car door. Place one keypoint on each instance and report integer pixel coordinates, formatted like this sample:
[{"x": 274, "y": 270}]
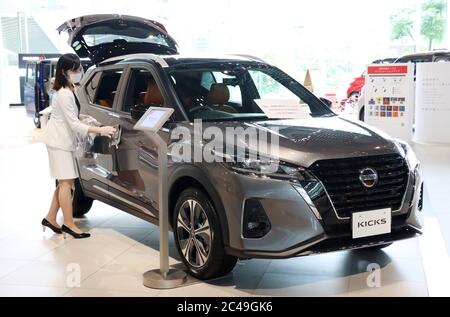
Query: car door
[
  {"x": 96, "y": 156},
  {"x": 136, "y": 159},
  {"x": 30, "y": 89}
]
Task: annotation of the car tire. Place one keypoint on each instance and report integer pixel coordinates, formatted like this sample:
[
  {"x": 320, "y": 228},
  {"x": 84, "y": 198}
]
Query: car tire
[
  {"x": 361, "y": 114},
  {"x": 81, "y": 204},
  {"x": 202, "y": 253}
]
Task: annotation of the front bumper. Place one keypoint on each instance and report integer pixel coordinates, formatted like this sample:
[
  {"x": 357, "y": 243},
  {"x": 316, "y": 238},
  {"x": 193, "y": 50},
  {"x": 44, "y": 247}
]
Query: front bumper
[
  {"x": 296, "y": 227},
  {"x": 329, "y": 243}
]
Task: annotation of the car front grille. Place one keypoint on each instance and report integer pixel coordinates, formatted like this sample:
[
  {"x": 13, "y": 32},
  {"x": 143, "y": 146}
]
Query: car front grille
[{"x": 348, "y": 195}]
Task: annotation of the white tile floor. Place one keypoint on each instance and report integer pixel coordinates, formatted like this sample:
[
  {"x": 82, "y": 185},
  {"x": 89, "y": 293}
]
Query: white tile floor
[{"x": 122, "y": 247}]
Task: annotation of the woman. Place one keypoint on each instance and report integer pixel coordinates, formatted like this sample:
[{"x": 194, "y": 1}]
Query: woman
[{"x": 60, "y": 136}]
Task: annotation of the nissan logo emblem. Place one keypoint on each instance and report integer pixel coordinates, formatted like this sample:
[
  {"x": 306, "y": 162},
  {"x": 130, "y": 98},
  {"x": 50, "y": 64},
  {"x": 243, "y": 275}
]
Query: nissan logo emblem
[{"x": 368, "y": 177}]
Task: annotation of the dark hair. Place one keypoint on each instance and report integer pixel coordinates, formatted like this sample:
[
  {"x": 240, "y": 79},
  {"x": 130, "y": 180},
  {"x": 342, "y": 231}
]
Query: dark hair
[{"x": 65, "y": 63}]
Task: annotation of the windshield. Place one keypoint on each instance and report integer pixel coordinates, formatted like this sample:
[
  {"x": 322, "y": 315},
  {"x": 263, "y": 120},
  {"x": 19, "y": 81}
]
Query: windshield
[{"x": 235, "y": 91}]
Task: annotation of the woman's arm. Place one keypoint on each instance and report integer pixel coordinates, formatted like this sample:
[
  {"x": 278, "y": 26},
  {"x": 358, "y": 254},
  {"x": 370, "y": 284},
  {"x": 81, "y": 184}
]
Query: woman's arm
[{"x": 66, "y": 103}]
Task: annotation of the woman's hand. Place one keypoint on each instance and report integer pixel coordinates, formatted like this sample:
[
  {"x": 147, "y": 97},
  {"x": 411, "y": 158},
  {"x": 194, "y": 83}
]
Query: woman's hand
[{"x": 107, "y": 131}]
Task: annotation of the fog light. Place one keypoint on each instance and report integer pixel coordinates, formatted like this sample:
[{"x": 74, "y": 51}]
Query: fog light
[{"x": 256, "y": 224}]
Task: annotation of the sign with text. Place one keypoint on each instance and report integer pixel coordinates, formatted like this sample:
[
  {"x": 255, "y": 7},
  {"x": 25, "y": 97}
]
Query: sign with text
[
  {"x": 283, "y": 108},
  {"x": 432, "y": 103},
  {"x": 389, "y": 96}
]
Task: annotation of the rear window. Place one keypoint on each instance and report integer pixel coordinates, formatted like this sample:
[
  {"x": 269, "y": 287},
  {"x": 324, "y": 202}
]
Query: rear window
[
  {"x": 416, "y": 59},
  {"x": 129, "y": 32}
]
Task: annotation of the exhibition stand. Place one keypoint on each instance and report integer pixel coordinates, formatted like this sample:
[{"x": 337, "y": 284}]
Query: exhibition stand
[
  {"x": 409, "y": 101},
  {"x": 164, "y": 277},
  {"x": 389, "y": 95},
  {"x": 432, "y": 115}
]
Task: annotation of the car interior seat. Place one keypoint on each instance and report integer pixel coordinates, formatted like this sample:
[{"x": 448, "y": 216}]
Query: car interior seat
[
  {"x": 153, "y": 95},
  {"x": 107, "y": 90},
  {"x": 218, "y": 97},
  {"x": 106, "y": 98},
  {"x": 105, "y": 103}
]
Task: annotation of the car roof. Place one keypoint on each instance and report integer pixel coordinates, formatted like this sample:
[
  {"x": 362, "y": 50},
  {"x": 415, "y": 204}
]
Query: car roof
[{"x": 178, "y": 60}]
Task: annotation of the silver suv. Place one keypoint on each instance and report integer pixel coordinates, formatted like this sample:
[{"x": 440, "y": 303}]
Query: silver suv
[{"x": 339, "y": 184}]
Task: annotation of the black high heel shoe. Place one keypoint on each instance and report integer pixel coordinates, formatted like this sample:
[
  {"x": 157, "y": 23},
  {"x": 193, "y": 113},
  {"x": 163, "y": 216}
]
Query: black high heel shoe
[
  {"x": 46, "y": 224},
  {"x": 74, "y": 234}
]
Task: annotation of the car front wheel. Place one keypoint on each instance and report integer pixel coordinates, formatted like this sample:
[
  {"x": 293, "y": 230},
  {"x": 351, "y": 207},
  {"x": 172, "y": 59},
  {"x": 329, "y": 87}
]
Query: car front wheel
[
  {"x": 361, "y": 114},
  {"x": 198, "y": 236}
]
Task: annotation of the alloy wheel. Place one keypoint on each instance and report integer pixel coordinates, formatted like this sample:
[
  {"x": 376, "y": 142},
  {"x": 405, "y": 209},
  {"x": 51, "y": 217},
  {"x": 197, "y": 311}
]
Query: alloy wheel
[{"x": 194, "y": 233}]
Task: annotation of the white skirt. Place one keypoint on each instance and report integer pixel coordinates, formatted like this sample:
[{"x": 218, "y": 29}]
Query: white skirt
[{"x": 62, "y": 164}]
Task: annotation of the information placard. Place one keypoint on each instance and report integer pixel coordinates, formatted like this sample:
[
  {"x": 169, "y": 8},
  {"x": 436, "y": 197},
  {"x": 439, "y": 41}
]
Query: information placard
[
  {"x": 432, "y": 121},
  {"x": 153, "y": 119},
  {"x": 389, "y": 99},
  {"x": 283, "y": 108}
]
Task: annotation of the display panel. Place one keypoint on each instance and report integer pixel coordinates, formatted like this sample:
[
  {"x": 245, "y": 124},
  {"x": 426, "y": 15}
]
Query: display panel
[
  {"x": 389, "y": 96},
  {"x": 153, "y": 119}
]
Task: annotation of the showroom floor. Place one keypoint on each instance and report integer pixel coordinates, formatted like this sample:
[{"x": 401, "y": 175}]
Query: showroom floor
[{"x": 122, "y": 247}]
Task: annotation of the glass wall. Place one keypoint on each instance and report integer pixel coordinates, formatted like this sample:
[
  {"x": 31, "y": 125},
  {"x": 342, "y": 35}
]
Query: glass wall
[{"x": 337, "y": 38}]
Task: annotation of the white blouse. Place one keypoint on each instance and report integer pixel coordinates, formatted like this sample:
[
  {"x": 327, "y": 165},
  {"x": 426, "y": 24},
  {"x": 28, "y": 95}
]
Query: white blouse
[{"x": 64, "y": 126}]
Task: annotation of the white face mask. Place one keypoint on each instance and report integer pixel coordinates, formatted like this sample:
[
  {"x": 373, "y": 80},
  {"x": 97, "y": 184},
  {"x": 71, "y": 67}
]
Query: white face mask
[{"x": 75, "y": 77}]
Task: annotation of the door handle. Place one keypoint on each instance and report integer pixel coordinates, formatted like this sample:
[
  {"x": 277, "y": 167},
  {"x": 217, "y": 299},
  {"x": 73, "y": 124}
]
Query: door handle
[{"x": 115, "y": 138}]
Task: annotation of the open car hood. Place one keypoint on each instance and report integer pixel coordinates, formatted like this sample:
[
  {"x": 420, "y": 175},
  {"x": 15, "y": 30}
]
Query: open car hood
[{"x": 102, "y": 36}]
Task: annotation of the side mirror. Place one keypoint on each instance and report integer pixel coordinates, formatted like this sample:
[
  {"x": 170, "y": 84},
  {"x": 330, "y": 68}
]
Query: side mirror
[
  {"x": 137, "y": 111},
  {"x": 326, "y": 101}
]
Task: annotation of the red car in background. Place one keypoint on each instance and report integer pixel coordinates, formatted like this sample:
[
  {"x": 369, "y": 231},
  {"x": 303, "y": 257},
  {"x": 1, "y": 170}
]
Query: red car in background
[{"x": 354, "y": 90}]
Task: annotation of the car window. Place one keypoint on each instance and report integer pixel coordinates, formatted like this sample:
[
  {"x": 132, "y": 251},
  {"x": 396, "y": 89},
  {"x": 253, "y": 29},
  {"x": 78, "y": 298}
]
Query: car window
[
  {"x": 30, "y": 73},
  {"x": 269, "y": 88},
  {"x": 416, "y": 59},
  {"x": 142, "y": 90},
  {"x": 442, "y": 59},
  {"x": 107, "y": 88},
  {"x": 105, "y": 33},
  {"x": 232, "y": 85},
  {"x": 92, "y": 85},
  {"x": 207, "y": 80},
  {"x": 47, "y": 72}
]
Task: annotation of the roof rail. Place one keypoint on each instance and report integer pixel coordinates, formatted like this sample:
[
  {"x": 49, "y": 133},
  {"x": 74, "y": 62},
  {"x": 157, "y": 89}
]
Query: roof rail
[
  {"x": 153, "y": 57},
  {"x": 250, "y": 57}
]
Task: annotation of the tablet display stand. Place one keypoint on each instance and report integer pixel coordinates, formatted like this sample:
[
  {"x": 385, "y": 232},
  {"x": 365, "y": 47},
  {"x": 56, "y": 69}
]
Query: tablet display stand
[{"x": 164, "y": 277}]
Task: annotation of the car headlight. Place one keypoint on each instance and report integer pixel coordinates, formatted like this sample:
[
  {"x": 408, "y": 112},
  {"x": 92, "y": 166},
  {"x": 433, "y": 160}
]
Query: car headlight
[
  {"x": 410, "y": 156},
  {"x": 271, "y": 169}
]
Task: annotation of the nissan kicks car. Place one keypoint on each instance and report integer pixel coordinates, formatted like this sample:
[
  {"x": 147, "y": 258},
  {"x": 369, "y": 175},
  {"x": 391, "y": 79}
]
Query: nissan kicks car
[{"x": 339, "y": 184}]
